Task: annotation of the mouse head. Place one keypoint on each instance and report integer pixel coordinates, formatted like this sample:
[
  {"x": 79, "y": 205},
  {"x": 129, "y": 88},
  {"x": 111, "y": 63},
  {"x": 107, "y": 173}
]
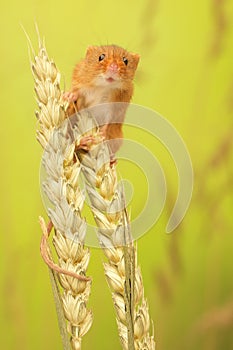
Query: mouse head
[{"x": 111, "y": 65}]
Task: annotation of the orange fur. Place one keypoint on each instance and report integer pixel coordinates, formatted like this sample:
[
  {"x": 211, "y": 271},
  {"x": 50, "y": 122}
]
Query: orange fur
[{"x": 110, "y": 79}]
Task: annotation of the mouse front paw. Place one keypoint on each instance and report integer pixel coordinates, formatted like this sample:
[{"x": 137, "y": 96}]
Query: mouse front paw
[{"x": 70, "y": 96}]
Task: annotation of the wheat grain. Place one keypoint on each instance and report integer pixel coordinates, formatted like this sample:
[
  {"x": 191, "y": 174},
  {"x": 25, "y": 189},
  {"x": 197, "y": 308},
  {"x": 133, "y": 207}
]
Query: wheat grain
[
  {"x": 62, "y": 188},
  {"x": 122, "y": 272}
]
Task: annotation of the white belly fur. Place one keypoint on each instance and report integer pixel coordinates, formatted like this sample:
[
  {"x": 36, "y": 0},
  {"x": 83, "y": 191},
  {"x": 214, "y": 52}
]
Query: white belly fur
[{"x": 99, "y": 97}]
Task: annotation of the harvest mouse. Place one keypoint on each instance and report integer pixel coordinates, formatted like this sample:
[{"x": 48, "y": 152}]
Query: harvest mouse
[{"x": 105, "y": 75}]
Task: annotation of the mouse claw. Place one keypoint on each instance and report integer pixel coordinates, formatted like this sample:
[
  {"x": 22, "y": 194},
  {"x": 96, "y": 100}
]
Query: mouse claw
[{"x": 70, "y": 96}]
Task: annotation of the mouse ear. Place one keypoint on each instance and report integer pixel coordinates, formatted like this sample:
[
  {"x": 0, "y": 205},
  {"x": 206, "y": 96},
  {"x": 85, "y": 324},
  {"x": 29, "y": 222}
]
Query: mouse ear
[
  {"x": 135, "y": 57},
  {"x": 89, "y": 51}
]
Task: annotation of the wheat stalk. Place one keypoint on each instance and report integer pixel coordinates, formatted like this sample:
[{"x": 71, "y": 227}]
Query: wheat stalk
[
  {"x": 108, "y": 206},
  {"x": 62, "y": 189},
  {"x": 122, "y": 271}
]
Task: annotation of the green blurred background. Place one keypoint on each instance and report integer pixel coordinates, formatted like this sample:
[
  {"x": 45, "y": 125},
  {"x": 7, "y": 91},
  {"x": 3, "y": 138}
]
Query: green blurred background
[{"x": 185, "y": 73}]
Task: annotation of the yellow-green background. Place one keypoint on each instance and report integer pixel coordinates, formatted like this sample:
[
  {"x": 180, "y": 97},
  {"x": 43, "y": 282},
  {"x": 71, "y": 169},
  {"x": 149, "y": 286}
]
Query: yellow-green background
[{"x": 185, "y": 73}]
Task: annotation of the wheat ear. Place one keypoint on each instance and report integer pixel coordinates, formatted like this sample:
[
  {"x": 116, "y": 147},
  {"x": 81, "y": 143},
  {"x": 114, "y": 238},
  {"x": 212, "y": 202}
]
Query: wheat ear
[
  {"x": 122, "y": 272},
  {"x": 61, "y": 187}
]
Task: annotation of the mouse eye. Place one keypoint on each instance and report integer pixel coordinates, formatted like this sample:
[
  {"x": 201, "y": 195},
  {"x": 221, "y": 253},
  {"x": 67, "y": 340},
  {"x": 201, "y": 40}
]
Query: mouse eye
[
  {"x": 125, "y": 61},
  {"x": 101, "y": 57}
]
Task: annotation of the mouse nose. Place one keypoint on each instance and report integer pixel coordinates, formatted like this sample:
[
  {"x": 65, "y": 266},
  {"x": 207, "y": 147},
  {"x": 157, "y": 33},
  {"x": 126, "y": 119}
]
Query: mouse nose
[{"x": 113, "y": 67}]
